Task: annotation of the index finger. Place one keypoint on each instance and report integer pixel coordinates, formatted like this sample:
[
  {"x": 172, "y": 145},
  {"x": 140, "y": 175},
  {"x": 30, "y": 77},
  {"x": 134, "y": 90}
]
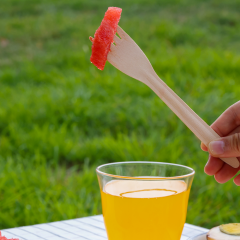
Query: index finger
[{"x": 228, "y": 120}]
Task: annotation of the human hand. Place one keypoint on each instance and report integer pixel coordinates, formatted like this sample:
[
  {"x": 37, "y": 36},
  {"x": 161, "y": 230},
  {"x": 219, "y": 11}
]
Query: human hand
[{"x": 228, "y": 128}]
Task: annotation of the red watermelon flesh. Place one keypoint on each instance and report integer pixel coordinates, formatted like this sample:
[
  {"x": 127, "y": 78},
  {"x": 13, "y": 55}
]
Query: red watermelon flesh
[
  {"x": 103, "y": 37},
  {"x": 4, "y": 238}
]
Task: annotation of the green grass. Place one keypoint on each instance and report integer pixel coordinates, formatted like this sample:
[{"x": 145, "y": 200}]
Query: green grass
[{"x": 60, "y": 117}]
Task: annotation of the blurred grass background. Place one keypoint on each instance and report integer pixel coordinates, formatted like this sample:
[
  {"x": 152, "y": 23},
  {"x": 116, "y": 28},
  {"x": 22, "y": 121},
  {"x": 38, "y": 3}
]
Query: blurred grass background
[{"x": 60, "y": 116}]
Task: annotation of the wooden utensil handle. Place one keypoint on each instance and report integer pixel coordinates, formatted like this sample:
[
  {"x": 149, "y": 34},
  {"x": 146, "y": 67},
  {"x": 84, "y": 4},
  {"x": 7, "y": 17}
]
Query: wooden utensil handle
[{"x": 197, "y": 125}]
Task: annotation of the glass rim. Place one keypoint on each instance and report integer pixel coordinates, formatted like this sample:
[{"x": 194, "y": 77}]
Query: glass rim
[{"x": 144, "y": 177}]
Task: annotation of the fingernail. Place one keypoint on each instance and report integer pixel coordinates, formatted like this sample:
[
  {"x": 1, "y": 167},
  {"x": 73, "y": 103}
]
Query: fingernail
[{"x": 216, "y": 147}]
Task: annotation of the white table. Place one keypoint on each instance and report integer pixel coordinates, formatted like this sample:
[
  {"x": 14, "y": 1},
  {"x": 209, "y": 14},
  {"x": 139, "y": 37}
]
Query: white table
[{"x": 88, "y": 228}]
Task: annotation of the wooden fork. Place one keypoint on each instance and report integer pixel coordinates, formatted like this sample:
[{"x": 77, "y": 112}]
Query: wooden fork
[{"x": 126, "y": 56}]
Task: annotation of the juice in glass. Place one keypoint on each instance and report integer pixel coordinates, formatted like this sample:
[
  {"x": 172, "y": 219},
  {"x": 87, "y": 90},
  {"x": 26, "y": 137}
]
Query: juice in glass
[{"x": 144, "y": 209}]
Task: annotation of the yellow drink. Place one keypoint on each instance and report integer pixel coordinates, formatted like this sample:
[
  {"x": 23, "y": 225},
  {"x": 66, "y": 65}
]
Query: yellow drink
[{"x": 145, "y": 210}]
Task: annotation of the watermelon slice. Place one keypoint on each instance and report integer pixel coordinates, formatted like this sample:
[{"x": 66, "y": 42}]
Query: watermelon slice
[
  {"x": 4, "y": 238},
  {"x": 103, "y": 37}
]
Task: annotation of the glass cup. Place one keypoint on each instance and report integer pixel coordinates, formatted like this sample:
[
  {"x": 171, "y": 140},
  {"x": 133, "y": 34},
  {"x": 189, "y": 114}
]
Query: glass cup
[{"x": 144, "y": 200}]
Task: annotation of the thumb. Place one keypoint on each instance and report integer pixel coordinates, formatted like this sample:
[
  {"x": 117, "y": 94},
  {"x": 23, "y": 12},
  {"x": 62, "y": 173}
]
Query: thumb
[{"x": 226, "y": 147}]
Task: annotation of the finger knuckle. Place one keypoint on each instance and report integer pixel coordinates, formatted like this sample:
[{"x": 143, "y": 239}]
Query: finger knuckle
[{"x": 236, "y": 142}]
